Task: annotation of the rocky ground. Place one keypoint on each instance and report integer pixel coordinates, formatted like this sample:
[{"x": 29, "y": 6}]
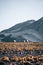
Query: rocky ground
[{"x": 27, "y": 53}]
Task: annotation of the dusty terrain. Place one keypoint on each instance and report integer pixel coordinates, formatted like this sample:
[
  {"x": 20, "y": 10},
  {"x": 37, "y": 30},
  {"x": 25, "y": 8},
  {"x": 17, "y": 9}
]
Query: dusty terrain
[{"x": 21, "y": 53}]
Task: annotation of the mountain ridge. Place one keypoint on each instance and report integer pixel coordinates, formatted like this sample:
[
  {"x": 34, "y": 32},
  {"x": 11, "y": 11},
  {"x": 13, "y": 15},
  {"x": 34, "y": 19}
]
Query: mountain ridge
[{"x": 30, "y": 30}]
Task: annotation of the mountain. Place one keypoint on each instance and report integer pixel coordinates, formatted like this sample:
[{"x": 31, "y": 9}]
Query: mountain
[{"x": 30, "y": 30}]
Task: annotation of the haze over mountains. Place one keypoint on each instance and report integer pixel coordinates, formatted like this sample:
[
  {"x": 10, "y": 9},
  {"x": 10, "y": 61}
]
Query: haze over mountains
[{"x": 30, "y": 30}]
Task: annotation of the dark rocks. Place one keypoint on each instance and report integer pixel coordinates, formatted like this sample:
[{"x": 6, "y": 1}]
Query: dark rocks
[{"x": 2, "y": 63}]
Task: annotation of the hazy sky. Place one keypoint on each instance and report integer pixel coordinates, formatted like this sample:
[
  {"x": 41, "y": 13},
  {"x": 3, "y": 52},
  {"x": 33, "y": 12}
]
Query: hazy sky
[{"x": 16, "y": 11}]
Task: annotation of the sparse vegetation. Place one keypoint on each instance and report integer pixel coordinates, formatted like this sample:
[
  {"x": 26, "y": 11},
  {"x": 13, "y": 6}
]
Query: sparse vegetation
[{"x": 27, "y": 53}]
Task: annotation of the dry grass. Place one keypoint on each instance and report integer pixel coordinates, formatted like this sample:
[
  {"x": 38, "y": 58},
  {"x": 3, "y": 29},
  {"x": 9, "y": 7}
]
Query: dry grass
[
  {"x": 25, "y": 60},
  {"x": 22, "y": 45}
]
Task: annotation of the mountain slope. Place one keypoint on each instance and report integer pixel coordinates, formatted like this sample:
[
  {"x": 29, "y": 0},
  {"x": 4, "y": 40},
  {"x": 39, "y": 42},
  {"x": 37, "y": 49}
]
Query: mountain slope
[{"x": 29, "y": 30}]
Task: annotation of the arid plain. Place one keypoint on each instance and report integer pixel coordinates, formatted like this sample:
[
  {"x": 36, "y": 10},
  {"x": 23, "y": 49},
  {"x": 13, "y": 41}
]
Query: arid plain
[{"x": 21, "y": 53}]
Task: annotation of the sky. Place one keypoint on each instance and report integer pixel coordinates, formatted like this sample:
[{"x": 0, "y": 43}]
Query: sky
[{"x": 13, "y": 12}]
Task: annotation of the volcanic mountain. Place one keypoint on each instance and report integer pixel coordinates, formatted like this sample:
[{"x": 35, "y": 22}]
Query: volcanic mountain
[{"x": 30, "y": 30}]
